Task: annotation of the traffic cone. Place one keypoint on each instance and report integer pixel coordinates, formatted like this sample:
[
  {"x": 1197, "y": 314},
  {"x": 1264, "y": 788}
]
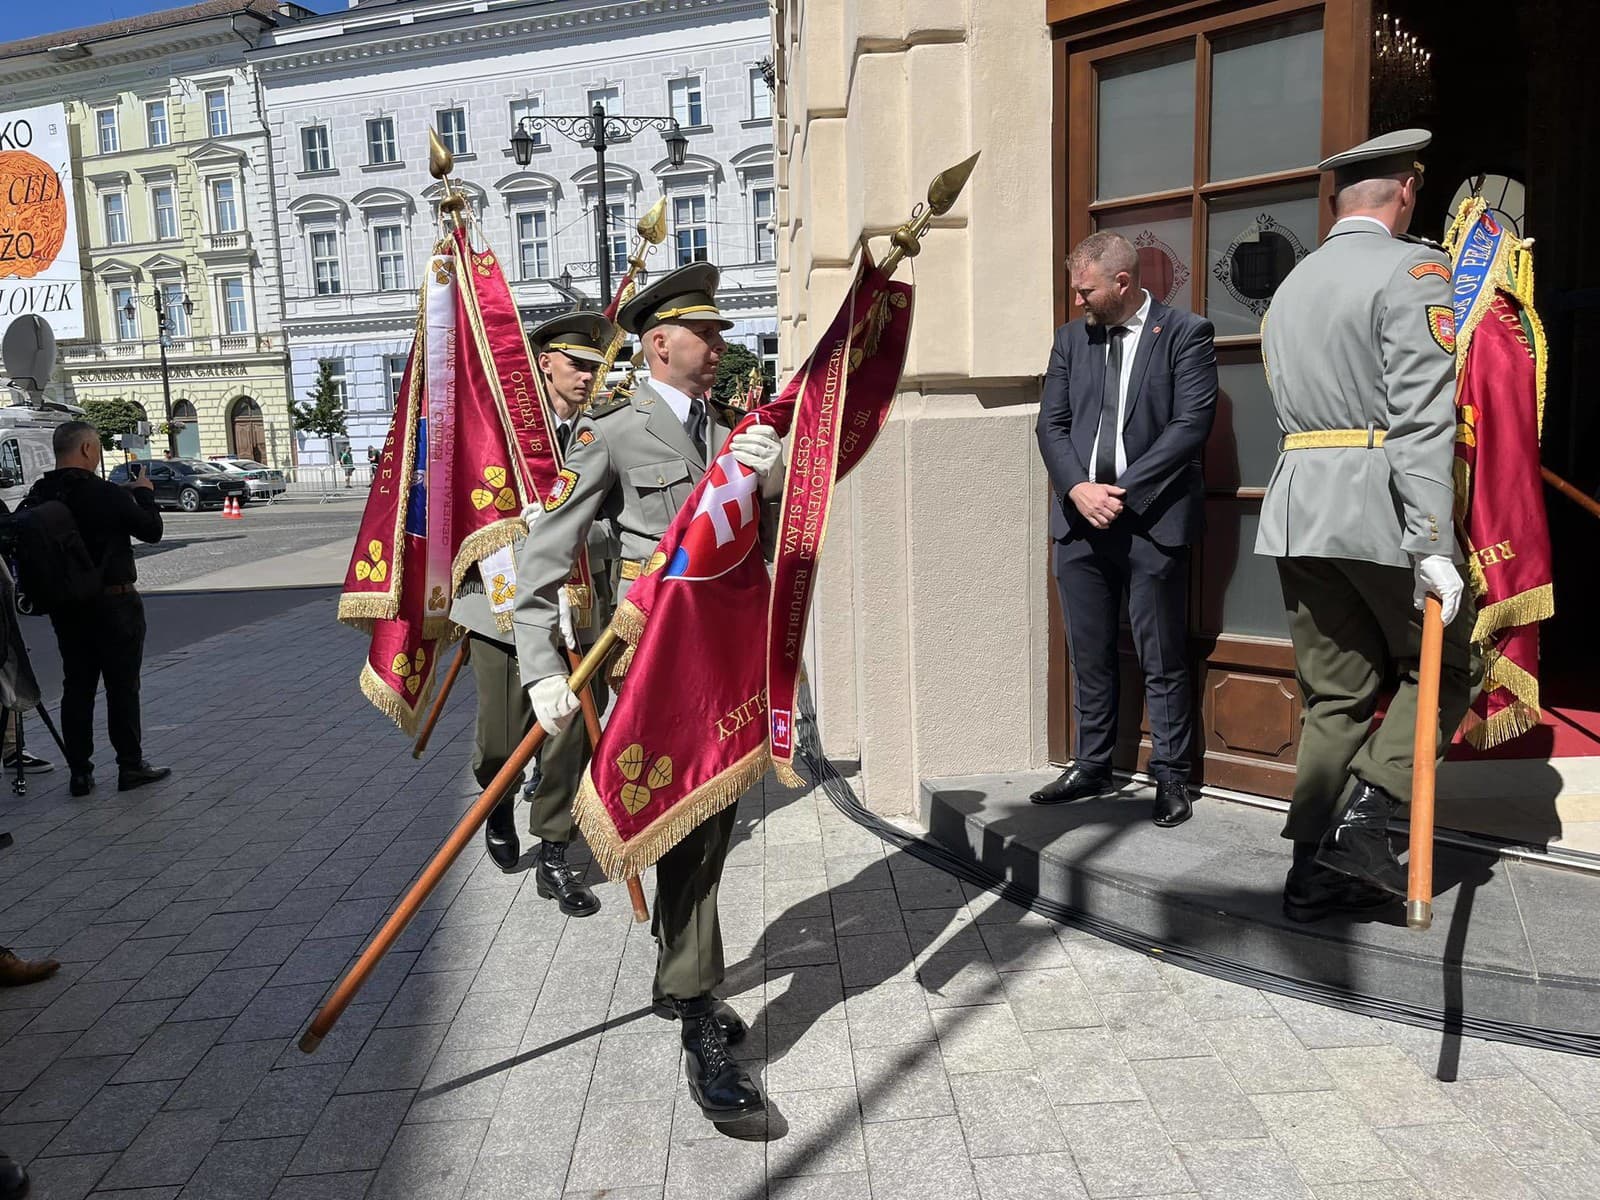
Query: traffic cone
[{"x": 230, "y": 511}]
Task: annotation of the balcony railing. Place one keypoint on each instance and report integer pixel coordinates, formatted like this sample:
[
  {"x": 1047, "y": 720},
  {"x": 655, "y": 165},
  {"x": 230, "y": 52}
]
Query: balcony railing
[
  {"x": 221, "y": 243},
  {"x": 178, "y": 348}
]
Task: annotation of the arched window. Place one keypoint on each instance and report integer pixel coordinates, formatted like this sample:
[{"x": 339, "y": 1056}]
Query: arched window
[
  {"x": 247, "y": 434},
  {"x": 188, "y": 423}
]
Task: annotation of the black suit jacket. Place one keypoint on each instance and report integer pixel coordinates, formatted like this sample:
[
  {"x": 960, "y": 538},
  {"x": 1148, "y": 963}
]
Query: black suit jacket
[{"x": 1172, "y": 400}]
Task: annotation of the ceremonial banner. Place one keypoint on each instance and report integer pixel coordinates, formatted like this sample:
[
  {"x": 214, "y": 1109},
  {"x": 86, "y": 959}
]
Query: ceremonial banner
[
  {"x": 469, "y": 446},
  {"x": 1500, "y": 360},
  {"x": 689, "y": 733}
]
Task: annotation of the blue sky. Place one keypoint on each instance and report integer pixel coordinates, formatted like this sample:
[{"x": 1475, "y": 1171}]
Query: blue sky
[{"x": 28, "y": 19}]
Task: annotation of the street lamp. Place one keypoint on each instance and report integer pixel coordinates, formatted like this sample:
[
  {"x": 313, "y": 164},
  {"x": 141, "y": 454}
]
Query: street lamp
[
  {"x": 164, "y": 328},
  {"x": 599, "y": 129}
]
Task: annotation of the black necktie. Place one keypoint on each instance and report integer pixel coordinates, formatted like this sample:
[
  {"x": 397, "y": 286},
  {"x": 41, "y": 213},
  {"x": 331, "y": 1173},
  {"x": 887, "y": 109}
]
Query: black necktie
[
  {"x": 563, "y": 436},
  {"x": 1105, "y": 444},
  {"x": 697, "y": 426}
]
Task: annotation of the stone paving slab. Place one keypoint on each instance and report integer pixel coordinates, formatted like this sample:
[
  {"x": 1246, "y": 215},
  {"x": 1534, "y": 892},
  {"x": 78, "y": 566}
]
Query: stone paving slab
[{"x": 917, "y": 1039}]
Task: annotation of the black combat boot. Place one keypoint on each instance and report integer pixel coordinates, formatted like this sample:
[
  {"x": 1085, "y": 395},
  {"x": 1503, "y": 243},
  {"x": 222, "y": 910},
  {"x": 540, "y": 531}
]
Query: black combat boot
[
  {"x": 1358, "y": 842},
  {"x": 1312, "y": 892},
  {"x": 717, "y": 1082},
  {"x": 729, "y": 1022},
  {"x": 552, "y": 877},
  {"x": 500, "y": 835}
]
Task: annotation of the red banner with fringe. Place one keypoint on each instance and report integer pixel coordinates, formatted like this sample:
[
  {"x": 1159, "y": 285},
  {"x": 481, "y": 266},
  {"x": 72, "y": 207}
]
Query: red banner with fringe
[{"x": 690, "y": 730}]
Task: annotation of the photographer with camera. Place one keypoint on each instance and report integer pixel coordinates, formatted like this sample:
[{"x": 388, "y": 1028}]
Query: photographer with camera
[{"x": 75, "y": 563}]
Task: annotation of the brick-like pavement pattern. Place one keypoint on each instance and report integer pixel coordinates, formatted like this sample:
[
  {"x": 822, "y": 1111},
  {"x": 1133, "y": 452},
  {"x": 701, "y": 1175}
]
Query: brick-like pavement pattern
[{"x": 918, "y": 1040}]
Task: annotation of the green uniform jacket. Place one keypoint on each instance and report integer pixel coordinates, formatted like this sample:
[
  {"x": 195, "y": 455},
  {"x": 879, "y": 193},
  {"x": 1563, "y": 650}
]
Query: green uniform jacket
[{"x": 1360, "y": 336}]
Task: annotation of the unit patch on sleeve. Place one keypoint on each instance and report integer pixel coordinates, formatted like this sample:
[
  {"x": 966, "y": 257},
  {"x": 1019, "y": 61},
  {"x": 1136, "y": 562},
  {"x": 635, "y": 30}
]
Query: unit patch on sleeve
[
  {"x": 1425, "y": 269},
  {"x": 585, "y": 436},
  {"x": 567, "y": 480},
  {"x": 1442, "y": 325}
]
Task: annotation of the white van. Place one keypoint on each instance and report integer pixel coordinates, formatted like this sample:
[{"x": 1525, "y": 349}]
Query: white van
[{"x": 25, "y": 449}]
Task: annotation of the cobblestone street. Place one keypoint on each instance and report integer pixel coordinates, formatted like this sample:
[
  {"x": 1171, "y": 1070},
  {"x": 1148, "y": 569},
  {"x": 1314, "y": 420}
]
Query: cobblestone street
[{"x": 917, "y": 1039}]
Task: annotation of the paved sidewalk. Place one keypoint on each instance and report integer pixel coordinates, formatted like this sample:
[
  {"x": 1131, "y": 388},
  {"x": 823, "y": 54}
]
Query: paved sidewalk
[{"x": 918, "y": 1040}]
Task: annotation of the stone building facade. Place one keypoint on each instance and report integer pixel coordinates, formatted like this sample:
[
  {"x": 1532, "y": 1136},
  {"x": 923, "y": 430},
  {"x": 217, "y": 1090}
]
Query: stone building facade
[
  {"x": 350, "y": 97},
  {"x": 930, "y": 629},
  {"x": 174, "y": 196}
]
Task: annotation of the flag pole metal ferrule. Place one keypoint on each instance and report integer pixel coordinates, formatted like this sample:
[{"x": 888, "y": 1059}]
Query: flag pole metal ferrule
[
  {"x": 1424, "y": 769},
  {"x": 444, "y": 858},
  {"x": 942, "y": 195}
]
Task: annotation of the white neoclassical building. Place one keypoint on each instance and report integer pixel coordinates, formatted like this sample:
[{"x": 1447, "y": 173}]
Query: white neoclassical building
[{"x": 350, "y": 97}]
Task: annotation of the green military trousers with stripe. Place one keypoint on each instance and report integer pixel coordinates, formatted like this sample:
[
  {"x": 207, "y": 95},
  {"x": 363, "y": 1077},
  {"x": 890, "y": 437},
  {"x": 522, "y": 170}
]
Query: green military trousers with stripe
[{"x": 1356, "y": 632}]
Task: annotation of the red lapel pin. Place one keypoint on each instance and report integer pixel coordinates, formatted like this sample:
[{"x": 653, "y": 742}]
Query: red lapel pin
[{"x": 1155, "y": 330}]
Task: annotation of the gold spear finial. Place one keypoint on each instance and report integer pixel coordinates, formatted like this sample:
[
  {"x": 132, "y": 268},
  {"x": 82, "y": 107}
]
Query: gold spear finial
[
  {"x": 652, "y": 226},
  {"x": 943, "y": 192},
  {"x": 440, "y": 163}
]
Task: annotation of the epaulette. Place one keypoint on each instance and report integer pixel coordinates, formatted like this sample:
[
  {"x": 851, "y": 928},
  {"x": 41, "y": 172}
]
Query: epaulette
[
  {"x": 615, "y": 404},
  {"x": 1420, "y": 241}
]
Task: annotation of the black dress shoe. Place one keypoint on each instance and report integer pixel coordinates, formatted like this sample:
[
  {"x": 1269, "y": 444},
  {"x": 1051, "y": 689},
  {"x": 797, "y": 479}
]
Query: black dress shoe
[
  {"x": 13, "y": 1179},
  {"x": 535, "y": 778},
  {"x": 1358, "y": 843},
  {"x": 81, "y": 783},
  {"x": 500, "y": 835},
  {"x": 129, "y": 778},
  {"x": 730, "y": 1023},
  {"x": 1312, "y": 892},
  {"x": 1076, "y": 783},
  {"x": 719, "y": 1085},
  {"x": 553, "y": 878},
  {"x": 1172, "y": 804}
]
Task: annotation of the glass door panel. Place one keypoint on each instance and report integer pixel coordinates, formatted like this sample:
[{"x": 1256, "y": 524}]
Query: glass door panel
[
  {"x": 1266, "y": 98},
  {"x": 1253, "y": 240},
  {"x": 1144, "y": 122},
  {"x": 1164, "y": 237}
]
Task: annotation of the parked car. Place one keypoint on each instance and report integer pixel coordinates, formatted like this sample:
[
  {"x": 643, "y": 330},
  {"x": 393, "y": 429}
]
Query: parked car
[
  {"x": 264, "y": 482},
  {"x": 187, "y": 483}
]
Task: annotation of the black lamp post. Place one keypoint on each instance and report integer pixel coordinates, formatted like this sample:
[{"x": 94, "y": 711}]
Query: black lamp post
[
  {"x": 164, "y": 328},
  {"x": 599, "y": 129}
]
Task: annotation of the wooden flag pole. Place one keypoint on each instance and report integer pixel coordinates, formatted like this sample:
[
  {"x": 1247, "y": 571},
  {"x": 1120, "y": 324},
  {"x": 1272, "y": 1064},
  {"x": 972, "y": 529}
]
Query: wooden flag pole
[
  {"x": 448, "y": 682},
  {"x": 1424, "y": 769},
  {"x": 509, "y": 776}
]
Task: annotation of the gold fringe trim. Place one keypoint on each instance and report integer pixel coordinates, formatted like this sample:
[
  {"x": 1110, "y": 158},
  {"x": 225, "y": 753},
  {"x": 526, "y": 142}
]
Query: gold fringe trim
[
  {"x": 1510, "y": 722},
  {"x": 481, "y": 543},
  {"x": 1525, "y": 608},
  {"x": 360, "y": 609},
  {"x": 628, "y": 859},
  {"x": 386, "y": 701},
  {"x": 620, "y": 664},
  {"x": 628, "y": 621},
  {"x": 786, "y": 774}
]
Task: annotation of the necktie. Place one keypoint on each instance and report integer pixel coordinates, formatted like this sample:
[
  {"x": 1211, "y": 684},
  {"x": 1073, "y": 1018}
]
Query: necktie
[
  {"x": 563, "y": 436},
  {"x": 1105, "y": 444},
  {"x": 697, "y": 426}
]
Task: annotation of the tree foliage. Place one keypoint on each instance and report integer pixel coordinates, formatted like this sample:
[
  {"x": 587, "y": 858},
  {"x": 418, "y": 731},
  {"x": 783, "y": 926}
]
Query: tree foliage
[
  {"x": 322, "y": 412},
  {"x": 112, "y": 417},
  {"x": 733, "y": 372}
]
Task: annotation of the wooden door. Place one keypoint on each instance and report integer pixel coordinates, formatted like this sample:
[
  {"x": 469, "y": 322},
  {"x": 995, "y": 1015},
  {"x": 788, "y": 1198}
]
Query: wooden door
[
  {"x": 248, "y": 431},
  {"x": 1195, "y": 136}
]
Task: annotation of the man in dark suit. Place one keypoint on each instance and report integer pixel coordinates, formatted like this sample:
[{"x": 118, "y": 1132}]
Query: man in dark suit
[{"x": 1128, "y": 402}]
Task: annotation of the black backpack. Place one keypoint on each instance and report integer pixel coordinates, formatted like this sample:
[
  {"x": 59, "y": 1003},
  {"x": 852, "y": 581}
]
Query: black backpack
[{"x": 55, "y": 570}]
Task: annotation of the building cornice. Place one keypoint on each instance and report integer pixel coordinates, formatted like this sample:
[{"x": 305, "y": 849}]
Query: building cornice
[
  {"x": 162, "y": 45},
  {"x": 353, "y": 42}
]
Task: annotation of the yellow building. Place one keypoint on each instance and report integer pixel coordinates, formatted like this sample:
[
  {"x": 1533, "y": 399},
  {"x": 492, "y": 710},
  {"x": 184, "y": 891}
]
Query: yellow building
[{"x": 177, "y": 238}]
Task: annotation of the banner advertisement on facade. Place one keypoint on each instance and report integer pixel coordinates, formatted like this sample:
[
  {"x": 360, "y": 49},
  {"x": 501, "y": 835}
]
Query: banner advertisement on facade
[{"x": 39, "y": 269}]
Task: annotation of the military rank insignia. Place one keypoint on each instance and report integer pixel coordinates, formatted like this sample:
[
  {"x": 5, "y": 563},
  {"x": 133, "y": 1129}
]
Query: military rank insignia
[
  {"x": 1425, "y": 269},
  {"x": 1442, "y": 325},
  {"x": 561, "y": 490}
]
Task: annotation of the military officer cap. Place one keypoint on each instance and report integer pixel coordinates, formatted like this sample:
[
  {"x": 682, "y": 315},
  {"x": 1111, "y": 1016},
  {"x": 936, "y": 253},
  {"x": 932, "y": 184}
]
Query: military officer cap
[
  {"x": 1387, "y": 154},
  {"x": 687, "y": 294},
  {"x": 580, "y": 335}
]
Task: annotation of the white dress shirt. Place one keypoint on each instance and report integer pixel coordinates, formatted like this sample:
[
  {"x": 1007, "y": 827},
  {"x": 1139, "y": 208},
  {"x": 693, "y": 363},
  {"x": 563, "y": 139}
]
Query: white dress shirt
[
  {"x": 1130, "y": 346},
  {"x": 677, "y": 401}
]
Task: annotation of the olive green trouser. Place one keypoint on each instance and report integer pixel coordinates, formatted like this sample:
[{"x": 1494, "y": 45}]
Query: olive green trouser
[
  {"x": 1354, "y": 629},
  {"x": 688, "y": 937},
  {"x": 504, "y": 718}
]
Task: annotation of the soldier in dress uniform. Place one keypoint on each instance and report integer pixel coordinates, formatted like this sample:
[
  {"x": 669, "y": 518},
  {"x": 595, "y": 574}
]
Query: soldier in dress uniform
[
  {"x": 643, "y": 456},
  {"x": 1360, "y": 354},
  {"x": 569, "y": 349}
]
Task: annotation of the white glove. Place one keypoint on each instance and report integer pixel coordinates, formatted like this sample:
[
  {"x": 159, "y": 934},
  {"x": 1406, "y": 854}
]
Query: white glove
[
  {"x": 1437, "y": 574},
  {"x": 553, "y": 703},
  {"x": 569, "y": 633},
  {"x": 531, "y": 513},
  {"x": 757, "y": 448}
]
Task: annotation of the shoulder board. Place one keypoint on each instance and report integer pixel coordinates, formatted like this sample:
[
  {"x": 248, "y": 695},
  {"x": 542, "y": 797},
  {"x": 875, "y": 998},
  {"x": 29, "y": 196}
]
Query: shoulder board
[
  {"x": 616, "y": 404},
  {"x": 1420, "y": 241}
]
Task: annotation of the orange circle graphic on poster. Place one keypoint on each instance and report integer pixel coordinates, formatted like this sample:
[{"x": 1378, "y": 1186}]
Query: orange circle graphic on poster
[{"x": 33, "y": 215}]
